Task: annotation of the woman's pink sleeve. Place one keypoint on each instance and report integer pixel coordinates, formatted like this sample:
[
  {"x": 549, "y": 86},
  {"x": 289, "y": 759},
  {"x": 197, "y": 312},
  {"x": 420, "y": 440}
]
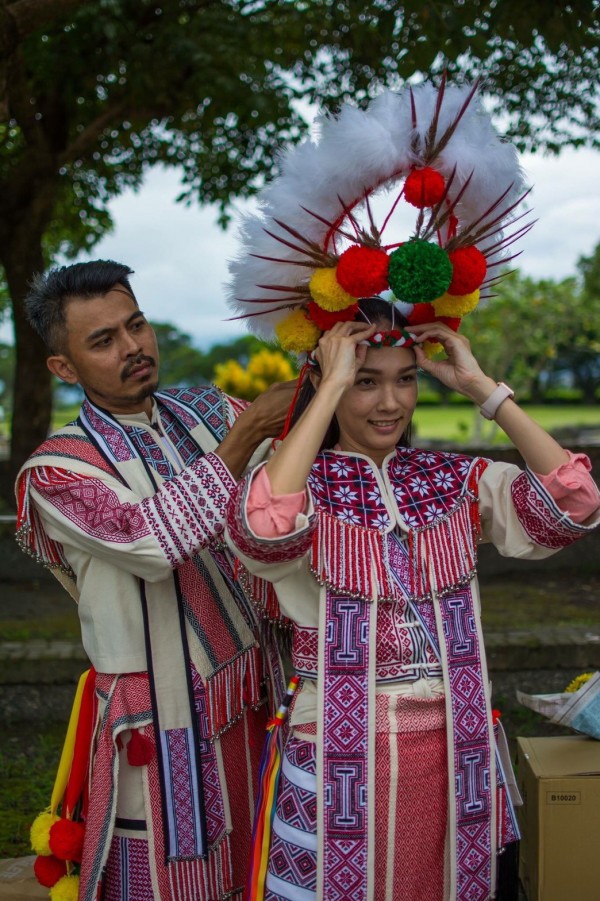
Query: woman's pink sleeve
[
  {"x": 572, "y": 487},
  {"x": 270, "y": 516}
]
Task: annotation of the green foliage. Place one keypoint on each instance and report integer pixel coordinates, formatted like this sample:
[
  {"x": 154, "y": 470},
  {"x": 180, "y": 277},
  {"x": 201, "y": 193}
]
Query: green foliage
[
  {"x": 180, "y": 362},
  {"x": 94, "y": 94},
  {"x": 7, "y": 365},
  {"x": 101, "y": 91},
  {"x": 28, "y": 761},
  {"x": 535, "y": 332}
]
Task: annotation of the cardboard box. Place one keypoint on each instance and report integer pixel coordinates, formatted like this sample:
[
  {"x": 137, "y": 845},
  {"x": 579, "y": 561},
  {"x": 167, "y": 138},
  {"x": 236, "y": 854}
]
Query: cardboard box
[{"x": 559, "y": 779}]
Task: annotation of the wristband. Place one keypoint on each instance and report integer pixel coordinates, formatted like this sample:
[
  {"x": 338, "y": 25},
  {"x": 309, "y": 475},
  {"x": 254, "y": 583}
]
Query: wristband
[{"x": 489, "y": 407}]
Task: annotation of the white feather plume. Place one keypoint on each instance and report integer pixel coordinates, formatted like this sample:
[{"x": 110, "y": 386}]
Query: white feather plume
[{"x": 355, "y": 154}]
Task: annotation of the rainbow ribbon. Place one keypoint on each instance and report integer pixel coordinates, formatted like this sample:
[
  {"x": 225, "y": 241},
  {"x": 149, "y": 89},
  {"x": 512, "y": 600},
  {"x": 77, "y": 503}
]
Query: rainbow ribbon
[{"x": 268, "y": 780}]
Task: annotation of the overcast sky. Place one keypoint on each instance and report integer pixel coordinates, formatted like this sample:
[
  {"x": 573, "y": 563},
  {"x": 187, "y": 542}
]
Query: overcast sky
[{"x": 180, "y": 255}]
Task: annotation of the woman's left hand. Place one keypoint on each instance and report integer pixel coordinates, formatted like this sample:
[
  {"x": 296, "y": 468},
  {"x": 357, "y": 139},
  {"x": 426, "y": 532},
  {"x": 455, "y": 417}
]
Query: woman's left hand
[{"x": 460, "y": 371}]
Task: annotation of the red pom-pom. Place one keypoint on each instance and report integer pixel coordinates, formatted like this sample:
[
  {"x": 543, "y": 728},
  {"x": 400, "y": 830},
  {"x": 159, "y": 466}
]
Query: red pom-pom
[
  {"x": 66, "y": 840},
  {"x": 48, "y": 870},
  {"x": 362, "y": 271},
  {"x": 496, "y": 716},
  {"x": 424, "y": 187},
  {"x": 324, "y": 320},
  {"x": 140, "y": 749},
  {"x": 452, "y": 322},
  {"x": 468, "y": 270},
  {"x": 421, "y": 314}
]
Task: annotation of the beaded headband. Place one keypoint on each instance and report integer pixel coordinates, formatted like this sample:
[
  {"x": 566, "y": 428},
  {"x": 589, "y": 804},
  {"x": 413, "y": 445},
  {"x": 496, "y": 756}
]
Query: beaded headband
[{"x": 317, "y": 244}]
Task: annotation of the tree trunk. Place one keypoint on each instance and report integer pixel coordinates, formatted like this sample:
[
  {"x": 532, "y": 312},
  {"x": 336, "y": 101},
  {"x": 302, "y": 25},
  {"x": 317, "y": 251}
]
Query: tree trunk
[{"x": 32, "y": 398}]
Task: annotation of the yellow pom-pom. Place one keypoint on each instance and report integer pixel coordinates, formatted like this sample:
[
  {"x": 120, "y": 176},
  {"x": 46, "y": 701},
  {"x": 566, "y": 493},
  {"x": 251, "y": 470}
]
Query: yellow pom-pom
[
  {"x": 327, "y": 292},
  {"x": 449, "y": 305},
  {"x": 432, "y": 348},
  {"x": 66, "y": 889},
  {"x": 39, "y": 833},
  {"x": 296, "y": 333}
]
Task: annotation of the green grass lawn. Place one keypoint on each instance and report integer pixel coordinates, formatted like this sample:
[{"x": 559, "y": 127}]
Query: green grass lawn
[{"x": 458, "y": 424}]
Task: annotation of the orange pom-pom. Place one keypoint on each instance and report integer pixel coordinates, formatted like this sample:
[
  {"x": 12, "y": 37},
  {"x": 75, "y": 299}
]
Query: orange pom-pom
[
  {"x": 468, "y": 270},
  {"x": 48, "y": 870},
  {"x": 324, "y": 320},
  {"x": 362, "y": 271},
  {"x": 140, "y": 750},
  {"x": 424, "y": 187},
  {"x": 66, "y": 840}
]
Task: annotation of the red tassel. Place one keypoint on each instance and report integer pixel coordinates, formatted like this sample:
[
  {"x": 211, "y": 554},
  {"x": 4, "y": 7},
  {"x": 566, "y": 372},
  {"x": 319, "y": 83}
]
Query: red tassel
[
  {"x": 140, "y": 750},
  {"x": 83, "y": 746},
  {"x": 288, "y": 419}
]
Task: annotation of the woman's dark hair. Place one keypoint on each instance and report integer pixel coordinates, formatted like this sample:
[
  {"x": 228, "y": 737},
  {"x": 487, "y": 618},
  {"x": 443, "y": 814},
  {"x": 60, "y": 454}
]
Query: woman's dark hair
[{"x": 378, "y": 312}]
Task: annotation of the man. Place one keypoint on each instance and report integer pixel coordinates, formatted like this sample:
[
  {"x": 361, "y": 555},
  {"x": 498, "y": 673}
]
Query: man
[{"x": 127, "y": 505}]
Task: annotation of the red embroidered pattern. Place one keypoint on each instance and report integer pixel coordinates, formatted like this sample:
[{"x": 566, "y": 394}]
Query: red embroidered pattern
[
  {"x": 91, "y": 505},
  {"x": 427, "y": 485},
  {"x": 542, "y": 520},
  {"x": 189, "y": 511}
]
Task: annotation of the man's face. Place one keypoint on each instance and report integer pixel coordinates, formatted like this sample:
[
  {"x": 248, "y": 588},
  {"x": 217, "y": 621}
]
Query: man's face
[{"x": 110, "y": 351}]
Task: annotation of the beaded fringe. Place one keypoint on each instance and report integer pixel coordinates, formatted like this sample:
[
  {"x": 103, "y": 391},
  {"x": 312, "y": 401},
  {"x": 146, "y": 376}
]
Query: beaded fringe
[
  {"x": 195, "y": 879},
  {"x": 30, "y": 535},
  {"x": 351, "y": 559},
  {"x": 442, "y": 557},
  {"x": 233, "y": 687},
  {"x": 262, "y": 595}
]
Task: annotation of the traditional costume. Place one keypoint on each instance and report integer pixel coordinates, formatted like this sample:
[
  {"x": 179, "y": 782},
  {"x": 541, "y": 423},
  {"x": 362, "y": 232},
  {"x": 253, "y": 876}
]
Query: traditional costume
[
  {"x": 378, "y": 579},
  {"x": 392, "y": 785},
  {"x": 129, "y": 512}
]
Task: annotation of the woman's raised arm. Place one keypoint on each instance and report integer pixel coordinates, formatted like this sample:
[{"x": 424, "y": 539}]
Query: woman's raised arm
[
  {"x": 461, "y": 372},
  {"x": 339, "y": 355}
]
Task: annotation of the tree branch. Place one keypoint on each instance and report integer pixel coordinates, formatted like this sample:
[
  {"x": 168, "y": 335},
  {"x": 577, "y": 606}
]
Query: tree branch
[
  {"x": 29, "y": 15},
  {"x": 87, "y": 140}
]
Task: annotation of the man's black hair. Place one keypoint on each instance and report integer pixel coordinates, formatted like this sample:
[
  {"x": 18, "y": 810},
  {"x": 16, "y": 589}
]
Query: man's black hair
[{"x": 50, "y": 292}]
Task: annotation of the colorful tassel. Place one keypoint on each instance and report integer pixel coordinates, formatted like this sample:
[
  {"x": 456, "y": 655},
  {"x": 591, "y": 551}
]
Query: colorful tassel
[
  {"x": 140, "y": 749},
  {"x": 268, "y": 780}
]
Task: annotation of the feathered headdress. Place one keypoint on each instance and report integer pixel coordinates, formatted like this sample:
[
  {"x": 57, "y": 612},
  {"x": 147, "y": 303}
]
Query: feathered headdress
[{"x": 319, "y": 242}]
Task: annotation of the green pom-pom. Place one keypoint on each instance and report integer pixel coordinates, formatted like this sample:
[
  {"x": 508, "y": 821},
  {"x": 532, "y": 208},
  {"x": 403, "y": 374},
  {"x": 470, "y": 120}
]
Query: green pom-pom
[{"x": 419, "y": 271}]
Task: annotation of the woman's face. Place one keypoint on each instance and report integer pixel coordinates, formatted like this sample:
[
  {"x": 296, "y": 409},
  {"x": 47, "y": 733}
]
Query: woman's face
[{"x": 373, "y": 414}]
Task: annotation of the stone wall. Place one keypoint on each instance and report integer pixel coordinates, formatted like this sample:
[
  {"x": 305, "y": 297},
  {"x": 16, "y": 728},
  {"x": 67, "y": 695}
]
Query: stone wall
[{"x": 582, "y": 556}]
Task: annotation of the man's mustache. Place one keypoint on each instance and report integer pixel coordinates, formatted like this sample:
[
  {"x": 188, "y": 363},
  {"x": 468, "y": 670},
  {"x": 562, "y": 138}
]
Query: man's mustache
[{"x": 133, "y": 364}]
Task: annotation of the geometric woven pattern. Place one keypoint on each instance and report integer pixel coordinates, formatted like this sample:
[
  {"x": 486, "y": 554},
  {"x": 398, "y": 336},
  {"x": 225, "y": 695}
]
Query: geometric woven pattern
[
  {"x": 293, "y": 855},
  {"x": 540, "y": 517},
  {"x": 128, "y": 871},
  {"x": 472, "y": 748},
  {"x": 345, "y": 749}
]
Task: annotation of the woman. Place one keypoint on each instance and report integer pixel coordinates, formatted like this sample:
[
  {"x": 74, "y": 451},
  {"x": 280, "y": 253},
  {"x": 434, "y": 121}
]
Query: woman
[{"x": 371, "y": 548}]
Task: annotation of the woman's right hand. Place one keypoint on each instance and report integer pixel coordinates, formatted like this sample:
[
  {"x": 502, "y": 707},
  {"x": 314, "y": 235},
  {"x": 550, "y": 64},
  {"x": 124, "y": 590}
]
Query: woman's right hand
[{"x": 340, "y": 353}]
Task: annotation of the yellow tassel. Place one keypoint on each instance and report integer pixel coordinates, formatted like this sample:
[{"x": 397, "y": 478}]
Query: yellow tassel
[
  {"x": 66, "y": 889},
  {"x": 66, "y": 758},
  {"x": 40, "y": 833}
]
